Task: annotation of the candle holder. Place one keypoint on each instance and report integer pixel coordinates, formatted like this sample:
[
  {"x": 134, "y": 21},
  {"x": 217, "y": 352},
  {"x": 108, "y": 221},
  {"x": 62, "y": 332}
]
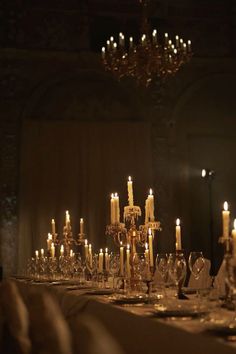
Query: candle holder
[{"x": 68, "y": 241}]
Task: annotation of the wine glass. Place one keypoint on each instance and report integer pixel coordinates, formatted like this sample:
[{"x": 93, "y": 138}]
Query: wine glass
[
  {"x": 230, "y": 278},
  {"x": 114, "y": 266},
  {"x": 177, "y": 271},
  {"x": 162, "y": 265},
  {"x": 196, "y": 264}
]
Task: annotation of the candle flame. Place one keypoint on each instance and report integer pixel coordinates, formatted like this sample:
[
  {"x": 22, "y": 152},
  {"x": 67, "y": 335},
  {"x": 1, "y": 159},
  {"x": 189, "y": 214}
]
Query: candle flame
[
  {"x": 112, "y": 195},
  {"x": 52, "y": 245},
  {"x": 203, "y": 173},
  {"x": 235, "y": 224},
  {"x": 177, "y": 222},
  {"x": 62, "y": 248},
  {"x": 149, "y": 231},
  {"x": 116, "y": 195},
  {"x": 128, "y": 247},
  {"x": 101, "y": 250},
  {"x": 106, "y": 250},
  {"x": 53, "y": 221},
  {"x": 226, "y": 206},
  {"x": 81, "y": 220},
  {"x": 146, "y": 245},
  {"x": 90, "y": 246},
  {"x": 129, "y": 179},
  {"x": 42, "y": 251},
  {"x": 150, "y": 191},
  {"x": 49, "y": 236},
  {"x": 36, "y": 253},
  {"x": 86, "y": 242},
  {"x": 121, "y": 243}
]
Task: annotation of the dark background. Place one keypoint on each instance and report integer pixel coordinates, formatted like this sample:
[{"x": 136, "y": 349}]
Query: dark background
[{"x": 50, "y": 70}]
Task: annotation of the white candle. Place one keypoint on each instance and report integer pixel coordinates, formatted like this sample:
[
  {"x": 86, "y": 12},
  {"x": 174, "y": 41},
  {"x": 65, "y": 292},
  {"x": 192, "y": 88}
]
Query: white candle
[
  {"x": 81, "y": 225},
  {"x": 86, "y": 249},
  {"x": 130, "y": 192},
  {"x": 178, "y": 235},
  {"x": 106, "y": 259},
  {"x": 116, "y": 208},
  {"x": 67, "y": 219},
  {"x": 37, "y": 254},
  {"x": 112, "y": 209},
  {"x": 146, "y": 253},
  {"x": 121, "y": 39},
  {"x": 177, "y": 41},
  {"x": 128, "y": 273},
  {"x": 90, "y": 255},
  {"x": 71, "y": 253},
  {"x": 62, "y": 251},
  {"x": 42, "y": 252},
  {"x": 189, "y": 46},
  {"x": 100, "y": 261},
  {"x": 150, "y": 243},
  {"x": 131, "y": 42},
  {"x": 103, "y": 52},
  {"x": 52, "y": 250},
  {"x": 234, "y": 239},
  {"x": 166, "y": 38},
  {"x": 151, "y": 205},
  {"x": 53, "y": 227},
  {"x": 49, "y": 241},
  {"x": 154, "y": 36},
  {"x": 225, "y": 217},
  {"x": 121, "y": 259}
]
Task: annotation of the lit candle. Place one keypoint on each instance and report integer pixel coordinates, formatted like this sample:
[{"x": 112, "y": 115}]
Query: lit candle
[
  {"x": 116, "y": 209},
  {"x": 62, "y": 251},
  {"x": 112, "y": 209},
  {"x": 42, "y": 252},
  {"x": 131, "y": 42},
  {"x": 106, "y": 259},
  {"x": 71, "y": 253},
  {"x": 128, "y": 273},
  {"x": 154, "y": 36},
  {"x": 103, "y": 52},
  {"x": 166, "y": 38},
  {"x": 143, "y": 39},
  {"x": 67, "y": 219},
  {"x": 53, "y": 227},
  {"x": 108, "y": 45},
  {"x": 37, "y": 254},
  {"x": 234, "y": 239},
  {"x": 225, "y": 217},
  {"x": 178, "y": 235},
  {"x": 121, "y": 39},
  {"x": 150, "y": 243},
  {"x": 86, "y": 251},
  {"x": 52, "y": 250},
  {"x": 49, "y": 241},
  {"x": 185, "y": 48},
  {"x": 151, "y": 205},
  {"x": 100, "y": 261},
  {"x": 81, "y": 225},
  {"x": 90, "y": 255},
  {"x": 114, "y": 47},
  {"x": 189, "y": 46},
  {"x": 121, "y": 259},
  {"x": 130, "y": 192},
  {"x": 177, "y": 41}
]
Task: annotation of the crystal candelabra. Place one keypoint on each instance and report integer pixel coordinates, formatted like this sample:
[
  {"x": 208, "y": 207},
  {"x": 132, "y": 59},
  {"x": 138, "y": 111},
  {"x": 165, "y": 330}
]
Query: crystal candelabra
[
  {"x": 130, "y": 234},
  {"x": 149, "y": 61}
]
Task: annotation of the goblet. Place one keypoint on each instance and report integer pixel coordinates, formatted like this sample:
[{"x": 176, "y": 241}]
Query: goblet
[
  {"x": 196, "y": 264},
  {"x": 114, "y": 266},
  {"x": 177, "y": 271}
]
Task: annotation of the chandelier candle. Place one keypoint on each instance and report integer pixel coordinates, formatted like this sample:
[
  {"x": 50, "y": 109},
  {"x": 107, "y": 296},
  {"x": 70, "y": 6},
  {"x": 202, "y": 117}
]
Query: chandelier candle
[
  {"x": 130, "y": 192},
  {"x": 112, "y": 209},
  {"x": 121, "y": 259},
  {"x": 151, "y": 205},
  {"x": 150, "y": 243},
  {"x": 178, "y": 245},
  {"x": 62, "y": 251},
  {"x": 100, "y": 261},
  {"x": 106, "y": 259},
  {"x": 225, "y": 219},
  {"x": 37, "y": 254},
  {"x": 81, "y": 225},
  {"x": 128, "y": 261},
  {"x": 90, "y": 255},
  {"x": 116, "y": 209}
]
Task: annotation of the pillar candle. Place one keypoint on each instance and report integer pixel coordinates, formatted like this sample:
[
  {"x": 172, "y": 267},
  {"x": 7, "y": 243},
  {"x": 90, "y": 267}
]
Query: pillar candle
[
  {"x": 62, "y": 251},
  {"x": 81, "y": 225},
  {"x": 52, "y": 250},
  {"x": 121, "y": 259},
  {"x": 234, "y": 239},
  {"x": 128, "y": 273},
  {"x": 86, "y": 253},
  {"x": 112, "y": 209},
  {"x": 90, "y": 255},
  {"x": 106, "y": 259},
  {"x": 150, "y": 243},
  {"x": 116, "y": 209},
  {"x": 49, "y": 241},
  {"x": 178, "y": 235},
  {"x": 53, "y": 227},
  {"x": 100, "y": 261},
  {"x": 130, "y": 192},
  {"x": 225, "y": 218}
]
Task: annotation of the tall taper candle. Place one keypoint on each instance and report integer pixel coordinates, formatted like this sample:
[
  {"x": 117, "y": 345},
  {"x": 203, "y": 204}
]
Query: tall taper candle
[
  {"x": 121, "y": 259},
  {"x": 130, "y": 192},
  {"x": 178, "y": 235},
  {"x": 225, "y": 217},
  {"x": 128, "y": 261},
  {"x": 150, "y": 243}
]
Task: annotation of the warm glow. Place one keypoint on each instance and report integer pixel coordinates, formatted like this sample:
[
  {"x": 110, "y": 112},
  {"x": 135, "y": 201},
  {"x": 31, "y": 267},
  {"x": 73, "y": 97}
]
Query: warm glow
[
  {"x": 112, "y": 39},
  {"x": 177, "y": 222},
  {"x": 86, "y": 242},
  {"x": 121, "y": 243},
  {"x": 146, "y": 245},
  {"x": 49, "y": 236},
  {"x": 150, "y": 192},
  {"x": 42, "y": 252},
  {"x": 166, "y": 35},
  {"x": 203, "y": 173},
  {"x": 129, "y": 179},
  {"x": 36, "y": 253},
  {"x": 128, "y": 247},
  {"x": 235, "y": 224},
  {"x": 149, "y": 231},
  {"x": 103, "y": 49},
  {"x": 106, "y": 250},
  {"x": 100, "y": 250},
  {"x": 116, "y": 195},
  {"x": 226, "y": 206},
  {"x": 90, "y": 246}
]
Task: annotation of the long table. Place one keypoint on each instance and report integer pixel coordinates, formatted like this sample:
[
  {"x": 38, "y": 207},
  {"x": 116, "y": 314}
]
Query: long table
[{"x": 133, "y": 328}]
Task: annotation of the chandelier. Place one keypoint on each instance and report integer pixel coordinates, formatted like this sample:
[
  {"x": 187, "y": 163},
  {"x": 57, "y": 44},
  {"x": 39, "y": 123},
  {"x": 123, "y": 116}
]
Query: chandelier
[{"x": 149, "y": 61}]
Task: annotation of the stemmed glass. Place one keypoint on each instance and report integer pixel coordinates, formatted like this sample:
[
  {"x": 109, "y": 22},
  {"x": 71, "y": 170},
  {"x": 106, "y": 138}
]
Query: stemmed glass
[
  {"x": 230, "y": 279},
  {"x": 196, "y": 264},
  {"x": 114, "y": 266},
  {"x": 177, "y": 271},
  {"x": 162, "y": 265}
]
